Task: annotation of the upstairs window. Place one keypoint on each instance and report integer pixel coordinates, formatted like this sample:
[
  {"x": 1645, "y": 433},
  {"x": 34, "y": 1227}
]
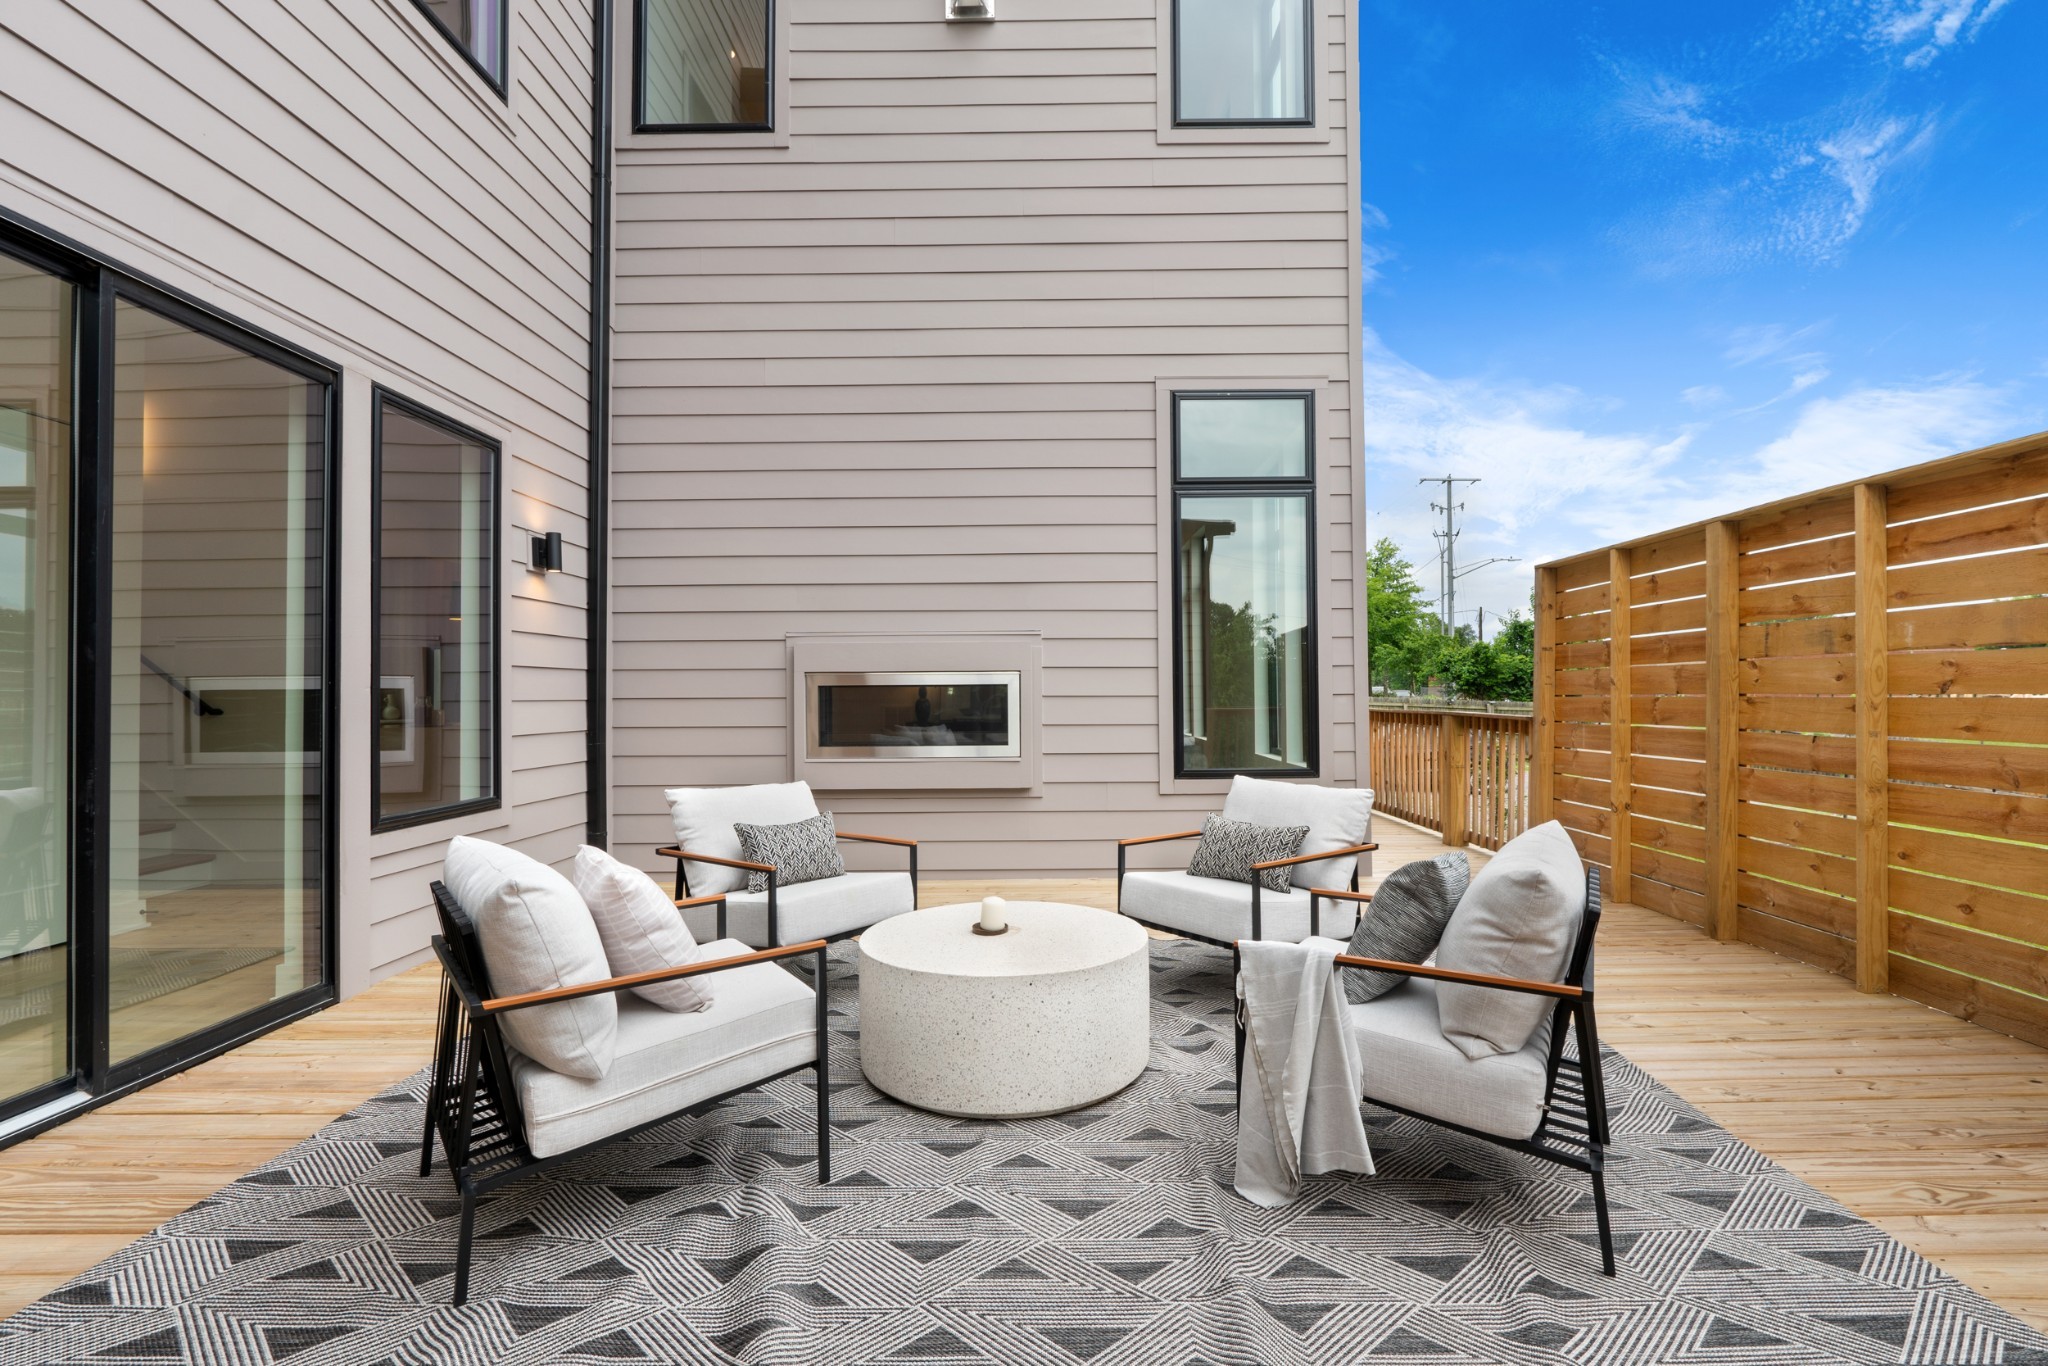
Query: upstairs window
[
  {"x": 1242, "y": 62},
  {"x": 705, "y": 66},
  {"x": 478, "y": 30},
  {"x": 1244, "y": 620}
]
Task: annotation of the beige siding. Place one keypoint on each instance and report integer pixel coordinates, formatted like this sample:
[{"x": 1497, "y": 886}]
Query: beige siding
[
  {"x": 901, "y": 376},
  {"x": 331, "y": 171}
]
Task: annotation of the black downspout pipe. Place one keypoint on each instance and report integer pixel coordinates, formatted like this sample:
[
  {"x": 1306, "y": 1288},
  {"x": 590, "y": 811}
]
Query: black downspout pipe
[{"x": 597, "y": 617}]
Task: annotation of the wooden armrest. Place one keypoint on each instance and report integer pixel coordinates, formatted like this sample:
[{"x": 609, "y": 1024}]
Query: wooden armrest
[
  {"x": 1335, "y": 895},
  {"x": 673, "y": 852},
  {"x": 1154, "y": 839},
  {"x": 690, "y": 901},
  {"x": 1345, "y": 852},
  {"x": 641, "y": 979},
  {"x": 1470, "y": 979},
  {"x": 878, "y": 839}
]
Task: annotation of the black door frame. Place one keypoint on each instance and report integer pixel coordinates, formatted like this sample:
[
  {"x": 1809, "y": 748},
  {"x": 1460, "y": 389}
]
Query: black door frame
[{"x": 101, "y": 282}]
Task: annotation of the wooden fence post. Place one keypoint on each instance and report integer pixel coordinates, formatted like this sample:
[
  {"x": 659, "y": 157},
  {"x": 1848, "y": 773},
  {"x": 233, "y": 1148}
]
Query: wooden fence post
[
  {"x": 1873, "y": 758},
  {"x": 1454, "y": 781},
  {"x": 1543, "y": 726},
  {"x": 1620, "y": 725},
  {"x": 1723, "y": 642}
]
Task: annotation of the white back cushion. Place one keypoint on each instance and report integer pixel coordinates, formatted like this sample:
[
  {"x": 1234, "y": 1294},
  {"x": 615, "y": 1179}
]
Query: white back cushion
[
  {"x": 641, "y": 928},
  {"x": 1335, "y": 816},
  {"x": 1517, "y": 919},
  {"x": 703, "y": 819},
  {"x": 536, "y": 935}
]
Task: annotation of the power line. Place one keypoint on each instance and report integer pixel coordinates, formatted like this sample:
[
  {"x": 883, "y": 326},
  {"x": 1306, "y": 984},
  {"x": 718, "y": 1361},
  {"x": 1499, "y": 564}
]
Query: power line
[{"x": 1447, "y": 569}]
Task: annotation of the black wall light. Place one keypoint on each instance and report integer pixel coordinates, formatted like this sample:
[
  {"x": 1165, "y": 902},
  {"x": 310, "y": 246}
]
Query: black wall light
[{"x": 547, "y": 553}]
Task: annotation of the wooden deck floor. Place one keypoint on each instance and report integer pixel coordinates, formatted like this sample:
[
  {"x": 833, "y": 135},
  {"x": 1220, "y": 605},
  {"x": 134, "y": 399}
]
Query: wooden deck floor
[{"x": 1933, "y": 1129}]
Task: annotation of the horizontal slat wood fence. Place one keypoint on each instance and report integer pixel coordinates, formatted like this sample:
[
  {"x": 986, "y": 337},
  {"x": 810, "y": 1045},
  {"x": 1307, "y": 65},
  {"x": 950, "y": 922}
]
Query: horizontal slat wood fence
[
  {"x": 1465, "y": 774},
  {"x": 1821, "y": 726}
]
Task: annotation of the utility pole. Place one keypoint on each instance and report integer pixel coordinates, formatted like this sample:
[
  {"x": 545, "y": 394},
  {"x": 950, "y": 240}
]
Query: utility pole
[{"x": 1448, "y": 572}]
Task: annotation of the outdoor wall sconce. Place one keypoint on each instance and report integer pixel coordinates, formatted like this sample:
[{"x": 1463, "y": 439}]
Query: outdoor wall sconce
[
  {"x": 547, "y": 553},
  {"x": 969, "y": 11}
]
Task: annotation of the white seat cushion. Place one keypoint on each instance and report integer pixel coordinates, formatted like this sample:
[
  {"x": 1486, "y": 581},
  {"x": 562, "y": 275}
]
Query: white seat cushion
[
  {"x": 1220, "y": 910},
  {"x": 809, "y": 910},
  {"x": 703, "y": 818},
  {"x": 1408, "y": 1062},
  {"x": 1336, "y": 817},
  {"x": 1517, "y": 919},
  {"x": 536, "y": 935},
  {"x": 761, "y": 1021}
]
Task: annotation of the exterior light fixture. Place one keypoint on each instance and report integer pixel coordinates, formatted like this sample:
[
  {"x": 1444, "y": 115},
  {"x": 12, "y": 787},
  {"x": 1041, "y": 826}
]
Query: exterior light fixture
[
  {"x": 969, "y": 11},
  {"x": 546, "y": 555}
]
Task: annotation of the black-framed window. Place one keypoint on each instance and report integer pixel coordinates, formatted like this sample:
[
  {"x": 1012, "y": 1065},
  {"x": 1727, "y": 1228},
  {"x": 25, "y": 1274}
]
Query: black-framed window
[
  {"x": 434, "y": 699},
  {"x": 480, "y": 30},
  {"x": 1239, "y": 63},
  {"x": 1245, "y": 680},
  {"x": 705, "y": 66}
]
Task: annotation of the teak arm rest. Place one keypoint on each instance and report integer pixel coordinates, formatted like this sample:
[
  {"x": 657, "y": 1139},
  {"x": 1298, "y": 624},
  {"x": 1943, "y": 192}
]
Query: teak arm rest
[
  {"x": 1470, "y": 979},
  {"x": 1154, "y": 839},
  {"x": 690, "y": 901},
  {"x": 641, "y": 979},
  {"x": 1340, "y": 896},
  {"x": 673, "y": 852},
  {"x": 878, "y": 839},
  {"x": 1314, "y": 858}
]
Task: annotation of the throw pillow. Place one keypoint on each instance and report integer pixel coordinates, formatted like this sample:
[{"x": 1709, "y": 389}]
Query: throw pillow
[
  {"x": 802, "y": 851},
  {"x": 1517, "y": 919},
  {"x": 1230, "y": 848},
  {"x": 704, "y": 818},
  {"x": 1404, "y": 921},
  {"x": 641, "y": 928},
  {"x": 1336, "y": 817},
  {"x": 536, "y": 935}
]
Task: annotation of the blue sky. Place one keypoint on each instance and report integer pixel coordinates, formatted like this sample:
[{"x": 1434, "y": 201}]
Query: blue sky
[{"x": 1635, "y": 264}]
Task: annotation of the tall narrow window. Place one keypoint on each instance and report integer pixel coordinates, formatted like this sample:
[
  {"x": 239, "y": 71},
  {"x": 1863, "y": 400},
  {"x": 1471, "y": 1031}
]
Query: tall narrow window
[
  {"x": 478, "y": 30},
  {"x": 706, "y": 65},
  {"x": 434, "y": 701},
  {"x": 1242, "y": 62},
  {"x": 1245, "y": 648}
]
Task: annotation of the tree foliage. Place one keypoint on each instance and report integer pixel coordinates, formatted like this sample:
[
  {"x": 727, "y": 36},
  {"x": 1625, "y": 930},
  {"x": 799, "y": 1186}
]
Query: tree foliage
[{"x": 1411, "y": 651}]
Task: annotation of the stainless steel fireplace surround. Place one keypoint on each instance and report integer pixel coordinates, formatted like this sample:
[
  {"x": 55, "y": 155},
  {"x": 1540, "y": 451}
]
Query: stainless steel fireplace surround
[{"x": 914, "y": 715}]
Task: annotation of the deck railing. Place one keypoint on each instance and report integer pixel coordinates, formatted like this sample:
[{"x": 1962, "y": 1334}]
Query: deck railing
[
  {"x": 1463, "y": 773},
  {"x": 1821, "y": 726}
]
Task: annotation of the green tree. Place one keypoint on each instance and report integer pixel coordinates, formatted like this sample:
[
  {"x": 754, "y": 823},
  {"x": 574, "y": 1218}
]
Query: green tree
[{"x": 1398, "y": 621}]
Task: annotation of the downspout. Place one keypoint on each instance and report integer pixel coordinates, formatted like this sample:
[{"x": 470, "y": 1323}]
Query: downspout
[{"x": 597, "y": 616}]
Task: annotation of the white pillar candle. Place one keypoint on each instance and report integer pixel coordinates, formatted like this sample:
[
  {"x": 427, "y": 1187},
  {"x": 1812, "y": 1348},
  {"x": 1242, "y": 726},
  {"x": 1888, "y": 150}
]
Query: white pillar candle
[{"x": 992, "y": 921}]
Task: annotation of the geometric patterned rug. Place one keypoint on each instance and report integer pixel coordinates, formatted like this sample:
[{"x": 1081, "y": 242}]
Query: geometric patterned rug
[{"x": 1108, "y": 1237}]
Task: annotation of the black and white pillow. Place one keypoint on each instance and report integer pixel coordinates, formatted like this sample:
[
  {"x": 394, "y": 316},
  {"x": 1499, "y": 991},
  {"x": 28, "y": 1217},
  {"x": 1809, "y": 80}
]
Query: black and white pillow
[
  {"x": 1230, "y": 848},
  {"x": 1406, "y": 918},
  {"x": 802, "y": 851}
]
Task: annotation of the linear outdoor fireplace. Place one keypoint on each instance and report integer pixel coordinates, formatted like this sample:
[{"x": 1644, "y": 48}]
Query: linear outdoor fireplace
[
  {"x": 927, "y": 715},
  {"x": 909, "y": 711}
]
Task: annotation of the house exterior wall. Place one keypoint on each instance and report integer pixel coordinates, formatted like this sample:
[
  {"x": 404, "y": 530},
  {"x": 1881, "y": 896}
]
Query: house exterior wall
[
  {"x": 901, "y": 367},
  {"x": 333, "y": 172}
]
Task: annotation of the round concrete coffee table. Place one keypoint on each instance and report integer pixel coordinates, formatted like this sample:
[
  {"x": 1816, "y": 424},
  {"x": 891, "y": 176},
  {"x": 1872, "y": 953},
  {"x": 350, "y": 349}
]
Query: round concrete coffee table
[{"x": 1053, "y": 1016}]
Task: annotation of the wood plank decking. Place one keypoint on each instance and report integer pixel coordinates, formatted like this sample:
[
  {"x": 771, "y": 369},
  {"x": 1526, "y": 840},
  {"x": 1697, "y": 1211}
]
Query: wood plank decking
[{"x": 1932, "y": 1128}]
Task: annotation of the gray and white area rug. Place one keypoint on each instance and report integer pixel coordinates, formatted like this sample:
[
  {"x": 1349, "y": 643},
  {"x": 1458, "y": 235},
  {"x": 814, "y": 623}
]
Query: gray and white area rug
[{"x": 1107, "y": 1237}]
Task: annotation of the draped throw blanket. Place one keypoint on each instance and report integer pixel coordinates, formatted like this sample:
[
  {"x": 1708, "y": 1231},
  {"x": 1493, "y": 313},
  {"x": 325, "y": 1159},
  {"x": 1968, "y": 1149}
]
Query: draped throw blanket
[{"x": 1299, "y": 1112}]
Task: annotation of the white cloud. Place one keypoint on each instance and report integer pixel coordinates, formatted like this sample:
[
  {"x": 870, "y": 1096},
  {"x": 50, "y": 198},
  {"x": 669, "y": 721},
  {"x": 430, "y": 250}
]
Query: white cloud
[
  {"x": 1673, "y": 108},
  {"x": 1703, "y": 395},
  {"x": 1554, "y": 483},
  {"x": 1927, "y": 28},
  {"x": 1772, "y": 342}
]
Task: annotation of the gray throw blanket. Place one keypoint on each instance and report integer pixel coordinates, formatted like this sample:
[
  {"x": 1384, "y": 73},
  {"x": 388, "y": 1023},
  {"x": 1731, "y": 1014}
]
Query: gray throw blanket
[{"x": 1303, "y": 1081}]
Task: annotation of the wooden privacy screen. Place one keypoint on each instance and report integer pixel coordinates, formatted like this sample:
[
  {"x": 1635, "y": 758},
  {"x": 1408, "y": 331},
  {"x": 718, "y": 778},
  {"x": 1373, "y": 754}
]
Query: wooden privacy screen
[
  {"x": 1466, "y": 774},
  {"x": 1821, "y": 727}
]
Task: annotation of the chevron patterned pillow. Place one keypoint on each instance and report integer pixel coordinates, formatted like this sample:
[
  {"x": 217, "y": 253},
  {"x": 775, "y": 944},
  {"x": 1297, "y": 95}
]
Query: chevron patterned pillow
[
  {"x": 1230, "y": 848},
  {"x": 1407, "y": 918},
  {"x": 802, "y": 851}
]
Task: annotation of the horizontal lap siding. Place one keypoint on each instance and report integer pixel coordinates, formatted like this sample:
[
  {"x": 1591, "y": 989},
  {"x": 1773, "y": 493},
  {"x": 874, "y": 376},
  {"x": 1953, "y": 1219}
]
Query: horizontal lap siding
[
  {"x": 899, "y": 377},
  {"x": 331, "y": 171}
]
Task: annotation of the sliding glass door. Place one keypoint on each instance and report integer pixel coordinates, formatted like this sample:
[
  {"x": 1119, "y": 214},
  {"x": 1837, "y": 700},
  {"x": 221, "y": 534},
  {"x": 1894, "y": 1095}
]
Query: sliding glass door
[
  {"x": 38, "y": 313},
  {"x": 165, "y": 719}
]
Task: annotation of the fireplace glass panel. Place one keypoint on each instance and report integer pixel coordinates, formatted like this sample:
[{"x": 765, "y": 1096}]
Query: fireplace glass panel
[{"x": 914, "y": 715}]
